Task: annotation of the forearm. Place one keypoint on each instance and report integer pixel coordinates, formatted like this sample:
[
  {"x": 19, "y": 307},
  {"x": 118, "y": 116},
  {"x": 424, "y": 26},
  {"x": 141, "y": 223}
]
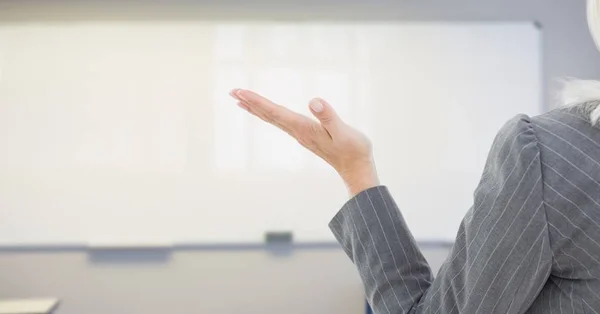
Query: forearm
[
  {"x": 375, "y": 237},
  {"x": 397, "y": 278}
]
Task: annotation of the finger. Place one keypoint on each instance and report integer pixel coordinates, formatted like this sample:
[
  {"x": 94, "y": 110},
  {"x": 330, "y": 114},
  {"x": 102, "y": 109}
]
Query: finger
[
  {"x": 325, "y": 114},
  {"x": 254, "y": 111},
  {"x": 309, "y": 135},
  {"x": 269, "y": 111},
  {"x": 243, "y": 106}
]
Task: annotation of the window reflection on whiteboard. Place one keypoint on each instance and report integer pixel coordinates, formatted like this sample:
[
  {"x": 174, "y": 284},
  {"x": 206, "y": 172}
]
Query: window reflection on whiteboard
[
  {"x": 230, "y": 42},
  {"x": 231, "y": 123},
  {"x": 274, "y": 148},
  {"x": 290, "y": 64}
]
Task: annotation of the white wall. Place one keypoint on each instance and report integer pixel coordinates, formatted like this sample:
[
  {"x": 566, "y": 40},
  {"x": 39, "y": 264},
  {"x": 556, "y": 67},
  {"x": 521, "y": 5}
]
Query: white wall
[{"x": 318, "y": 280}]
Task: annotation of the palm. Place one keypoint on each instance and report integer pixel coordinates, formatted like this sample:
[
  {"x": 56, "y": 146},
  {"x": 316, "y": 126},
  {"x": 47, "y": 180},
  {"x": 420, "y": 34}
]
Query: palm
[
  {"x": 331, "y": 139},
  {"x": 346, "y": 149}
]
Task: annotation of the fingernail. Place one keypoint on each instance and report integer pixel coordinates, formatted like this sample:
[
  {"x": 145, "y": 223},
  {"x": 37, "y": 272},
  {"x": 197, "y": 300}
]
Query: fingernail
[
  {"x": 243, "y": 106},
  {"x": 232, "y": 92},
  {"x": 316, "y": 105},
  {"x": 240, "y": 94}
]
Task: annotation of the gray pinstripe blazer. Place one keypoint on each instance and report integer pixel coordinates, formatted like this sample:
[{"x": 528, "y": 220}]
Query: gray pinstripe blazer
[{"x": 529, "y": 244}]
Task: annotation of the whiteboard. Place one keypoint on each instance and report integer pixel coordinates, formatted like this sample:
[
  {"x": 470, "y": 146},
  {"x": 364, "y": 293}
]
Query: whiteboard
[{"x": 123, "y": 132}]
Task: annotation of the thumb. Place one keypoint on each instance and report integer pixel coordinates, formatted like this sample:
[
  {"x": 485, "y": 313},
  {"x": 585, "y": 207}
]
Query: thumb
[{"x": 324, "y": 113}]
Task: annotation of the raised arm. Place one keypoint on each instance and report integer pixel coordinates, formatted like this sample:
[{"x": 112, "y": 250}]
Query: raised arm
[{"x": 501, "y": 257}]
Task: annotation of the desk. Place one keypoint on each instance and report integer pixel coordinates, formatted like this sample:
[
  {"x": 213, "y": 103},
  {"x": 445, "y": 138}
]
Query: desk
[{"x": 28, "y": 306}]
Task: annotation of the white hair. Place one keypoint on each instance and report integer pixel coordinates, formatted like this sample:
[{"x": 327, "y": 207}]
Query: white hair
[{"x": 586, "y": 93}]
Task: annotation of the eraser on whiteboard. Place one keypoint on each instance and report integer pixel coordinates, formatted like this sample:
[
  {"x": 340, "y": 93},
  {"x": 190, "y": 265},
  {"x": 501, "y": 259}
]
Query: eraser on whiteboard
[{"x": 279, "y": 237}]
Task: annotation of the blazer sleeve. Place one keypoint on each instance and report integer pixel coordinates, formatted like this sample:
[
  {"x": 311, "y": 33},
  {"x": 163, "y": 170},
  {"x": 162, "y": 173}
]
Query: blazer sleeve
[{"x": 501, "y": 257}]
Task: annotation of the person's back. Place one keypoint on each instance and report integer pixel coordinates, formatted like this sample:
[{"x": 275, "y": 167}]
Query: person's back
[{"x": 569, "y": 146}]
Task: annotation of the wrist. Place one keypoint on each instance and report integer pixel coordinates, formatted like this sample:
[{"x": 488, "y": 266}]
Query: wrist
[{"x": 360, "y": 179}]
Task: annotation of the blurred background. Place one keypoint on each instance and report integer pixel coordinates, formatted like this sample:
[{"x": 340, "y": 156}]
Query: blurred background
[{"x": 131, "y": 183}]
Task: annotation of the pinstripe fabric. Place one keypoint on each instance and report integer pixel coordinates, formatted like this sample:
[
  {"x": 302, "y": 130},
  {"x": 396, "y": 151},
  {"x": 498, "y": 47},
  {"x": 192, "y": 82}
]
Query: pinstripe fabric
[{"x": 529, "y": 244}]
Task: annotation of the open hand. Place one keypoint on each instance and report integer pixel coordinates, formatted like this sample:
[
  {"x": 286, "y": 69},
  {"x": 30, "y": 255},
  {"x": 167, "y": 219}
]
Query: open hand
[{"x": 347, "y": 150}]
